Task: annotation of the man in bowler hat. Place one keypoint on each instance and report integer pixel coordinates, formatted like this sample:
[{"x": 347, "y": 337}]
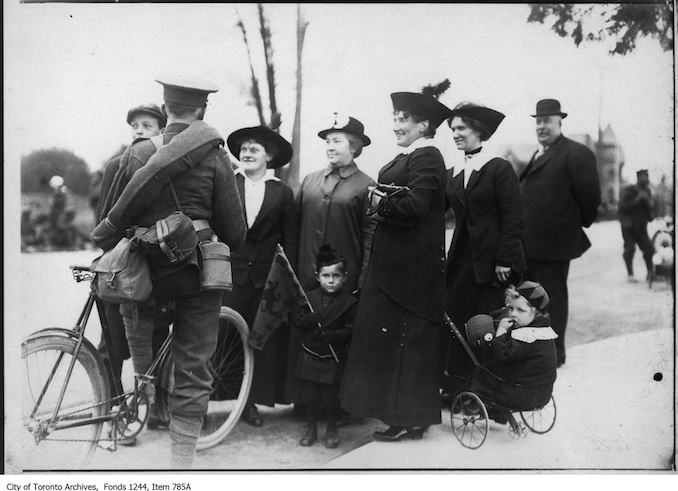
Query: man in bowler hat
[
  {"x": 636, "y": 208},
  {"x": 561, "y": 193}
]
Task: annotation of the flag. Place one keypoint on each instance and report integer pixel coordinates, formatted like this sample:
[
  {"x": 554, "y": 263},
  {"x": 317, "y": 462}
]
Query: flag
[{"x": 282, "y": 295}]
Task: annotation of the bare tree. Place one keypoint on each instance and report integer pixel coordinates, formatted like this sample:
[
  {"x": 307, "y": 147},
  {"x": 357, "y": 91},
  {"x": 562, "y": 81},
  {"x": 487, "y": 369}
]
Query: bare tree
[
  {"x": 289, "y": 174},
  {"x": 255, "y": 94},
  {"x": 265, "y": 32}
]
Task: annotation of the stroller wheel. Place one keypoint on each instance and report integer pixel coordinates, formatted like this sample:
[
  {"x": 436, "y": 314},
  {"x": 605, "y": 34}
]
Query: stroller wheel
[
  {"x": 541, "y": 420},
  {"x": 469, "y": 420}
]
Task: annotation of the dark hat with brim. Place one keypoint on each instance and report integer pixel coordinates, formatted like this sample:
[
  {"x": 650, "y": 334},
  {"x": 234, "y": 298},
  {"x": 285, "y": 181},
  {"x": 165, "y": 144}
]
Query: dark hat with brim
[
  {"x": 261, "y": 134},
  {"x": 642, "y": 172},
  {"x": 347, "y": 124},
  {"x": 489, "y": 117},
  {"x": 549, "y": 107},
  {"x": 187, "y": 91},
  {"x": 422, "y": 105},
  {"x": 151, "y": 110}
]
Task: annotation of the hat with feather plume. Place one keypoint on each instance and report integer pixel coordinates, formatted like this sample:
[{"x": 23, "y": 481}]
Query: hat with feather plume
[{"x": 424, "y": 103}]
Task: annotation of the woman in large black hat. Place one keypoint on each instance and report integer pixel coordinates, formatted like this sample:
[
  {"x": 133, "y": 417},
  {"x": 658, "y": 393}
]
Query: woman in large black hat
[
  {"x": 486, "y": 245},
  {"x": 271, "y": 218},
  {"x": 392, "y": 370}
]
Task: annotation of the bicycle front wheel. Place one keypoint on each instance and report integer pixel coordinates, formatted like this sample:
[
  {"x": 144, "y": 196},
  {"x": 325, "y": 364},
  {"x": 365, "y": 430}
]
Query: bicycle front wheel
[{"x": 62, "y": 437}]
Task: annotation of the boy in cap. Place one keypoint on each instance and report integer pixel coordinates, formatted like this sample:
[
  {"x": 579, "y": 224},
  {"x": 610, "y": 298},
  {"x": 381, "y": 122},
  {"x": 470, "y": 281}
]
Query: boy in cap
[
  {"x": 522, "y": 352},
  {"x": 325, "y": 335},
  {"x": 145, "y": 121}
]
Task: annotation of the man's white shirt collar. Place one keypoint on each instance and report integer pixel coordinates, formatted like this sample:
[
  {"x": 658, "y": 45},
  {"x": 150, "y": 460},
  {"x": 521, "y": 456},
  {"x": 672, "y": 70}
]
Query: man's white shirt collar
[{"x": 416, "y": 144}]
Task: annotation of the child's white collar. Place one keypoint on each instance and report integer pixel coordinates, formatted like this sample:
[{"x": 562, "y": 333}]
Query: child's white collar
[{"x": 532, "y": 334}]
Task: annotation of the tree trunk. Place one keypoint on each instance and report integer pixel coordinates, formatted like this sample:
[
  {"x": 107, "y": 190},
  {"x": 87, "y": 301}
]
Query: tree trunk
[
  {"x": 292, "y": 177},
  {"x": 255, "y": 94}
]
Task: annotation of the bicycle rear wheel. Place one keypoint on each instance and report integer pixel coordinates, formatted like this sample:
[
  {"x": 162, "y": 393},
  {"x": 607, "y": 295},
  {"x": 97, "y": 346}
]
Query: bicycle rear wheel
[
  {"x": 46, "y": 359},
  {"x": 232, "y": 367}
]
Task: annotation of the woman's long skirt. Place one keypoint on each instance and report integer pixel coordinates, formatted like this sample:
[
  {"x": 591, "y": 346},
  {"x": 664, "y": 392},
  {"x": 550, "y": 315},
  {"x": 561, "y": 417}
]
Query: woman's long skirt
[
  {"x": 464, "y": 299},
  {"x": 392, "y": 369}
]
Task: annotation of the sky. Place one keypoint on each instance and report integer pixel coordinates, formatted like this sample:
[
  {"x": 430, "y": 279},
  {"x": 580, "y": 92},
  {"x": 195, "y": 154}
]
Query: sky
[{"x": 72, "y": 71}]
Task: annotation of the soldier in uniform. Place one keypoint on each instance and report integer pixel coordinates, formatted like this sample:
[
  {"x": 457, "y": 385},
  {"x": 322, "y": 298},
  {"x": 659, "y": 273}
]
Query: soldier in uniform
[
  {"x": 208, "y": 195},
  {"x": 635, "y": 211}
]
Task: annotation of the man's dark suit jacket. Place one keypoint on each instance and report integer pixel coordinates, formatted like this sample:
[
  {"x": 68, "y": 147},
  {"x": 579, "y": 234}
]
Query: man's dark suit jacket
[{"x": 561, "y": 194}]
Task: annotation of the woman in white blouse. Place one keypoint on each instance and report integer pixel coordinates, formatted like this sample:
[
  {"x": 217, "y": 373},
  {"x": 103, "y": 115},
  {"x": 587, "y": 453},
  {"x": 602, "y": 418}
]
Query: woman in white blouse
[
  {"x": 270, "y": 212},
  {"x": 486, "y": 245}
]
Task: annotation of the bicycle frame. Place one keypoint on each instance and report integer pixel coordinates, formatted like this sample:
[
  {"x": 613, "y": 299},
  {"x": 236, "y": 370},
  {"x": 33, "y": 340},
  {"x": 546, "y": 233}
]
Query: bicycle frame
[{"x": 78, "y": 334}]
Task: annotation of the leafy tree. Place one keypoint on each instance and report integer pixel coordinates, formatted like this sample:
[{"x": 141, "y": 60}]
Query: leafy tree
[
  {"x": 38, "y": 167},
  {"x": 624, "y": 23}
]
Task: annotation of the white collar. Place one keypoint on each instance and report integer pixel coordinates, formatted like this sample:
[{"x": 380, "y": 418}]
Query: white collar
[
  {"x": 416, "y": 145},
  {"x": 268, "y": 176},
  {"x": 475, "y": 162},
  {"x": 532, "y": 334}
]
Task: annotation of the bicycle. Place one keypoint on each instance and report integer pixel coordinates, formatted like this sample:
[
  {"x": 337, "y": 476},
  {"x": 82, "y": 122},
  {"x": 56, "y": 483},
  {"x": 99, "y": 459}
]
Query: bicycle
[{"x": 67, "y": 395}]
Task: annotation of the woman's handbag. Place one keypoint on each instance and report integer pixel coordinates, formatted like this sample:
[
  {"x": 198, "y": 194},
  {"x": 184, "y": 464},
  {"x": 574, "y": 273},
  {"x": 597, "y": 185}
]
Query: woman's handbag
[
  {"x": 123, "y": 274},
  {"x": 378, "y": 197}
]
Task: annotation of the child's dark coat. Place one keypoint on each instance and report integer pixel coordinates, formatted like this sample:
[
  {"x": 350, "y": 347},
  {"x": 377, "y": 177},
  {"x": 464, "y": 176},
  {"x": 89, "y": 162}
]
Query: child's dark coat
[
  {"x": 531, "y": 365},
  {"x": 335, "y": 313}
]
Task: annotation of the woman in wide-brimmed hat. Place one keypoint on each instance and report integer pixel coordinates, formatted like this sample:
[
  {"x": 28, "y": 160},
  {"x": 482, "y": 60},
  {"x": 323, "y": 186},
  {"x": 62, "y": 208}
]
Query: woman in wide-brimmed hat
[
  {"x": 392, "y": 365},
  {"x": 486, "y": 245},
  {"x": 271, "y": 218}
]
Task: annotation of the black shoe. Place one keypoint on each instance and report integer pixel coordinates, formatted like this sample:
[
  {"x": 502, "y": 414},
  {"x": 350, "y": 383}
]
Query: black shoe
[
  {"x": 251, "y": 415},
  {"x": 310, "y": 436},
  {"x": 345, "y": 419},
  {"x": 331, "y": 438},
  {"x": 397, "y": 433}
]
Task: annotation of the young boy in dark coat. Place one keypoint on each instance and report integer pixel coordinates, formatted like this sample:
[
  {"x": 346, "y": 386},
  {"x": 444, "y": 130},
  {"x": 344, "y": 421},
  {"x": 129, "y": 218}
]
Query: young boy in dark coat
[
  {"x": 325, "y": 335},
  {"x": 522, "y": 352}
]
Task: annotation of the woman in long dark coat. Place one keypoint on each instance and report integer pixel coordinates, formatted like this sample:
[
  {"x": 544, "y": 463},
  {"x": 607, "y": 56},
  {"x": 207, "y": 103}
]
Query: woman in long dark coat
[
  {"x": 271, "y": 217},
  {"x": 392, "y": 369},
  {"x": 486, "y": 245}
]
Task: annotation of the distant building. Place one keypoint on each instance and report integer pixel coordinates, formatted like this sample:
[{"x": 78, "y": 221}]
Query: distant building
[{"x": 609, "y": 155}]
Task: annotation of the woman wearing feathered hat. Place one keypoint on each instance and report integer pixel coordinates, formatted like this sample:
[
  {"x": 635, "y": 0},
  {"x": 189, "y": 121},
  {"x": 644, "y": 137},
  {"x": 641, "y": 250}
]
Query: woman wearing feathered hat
[
  {"x": 486, "y": 245},
  {"x": 271, "y": 218},
  {"x": 392, "y": 366}
]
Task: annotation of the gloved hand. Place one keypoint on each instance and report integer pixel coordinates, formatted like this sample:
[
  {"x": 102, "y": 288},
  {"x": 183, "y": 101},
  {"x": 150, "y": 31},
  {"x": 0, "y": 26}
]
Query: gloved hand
[{"x": 106, "y": 235}]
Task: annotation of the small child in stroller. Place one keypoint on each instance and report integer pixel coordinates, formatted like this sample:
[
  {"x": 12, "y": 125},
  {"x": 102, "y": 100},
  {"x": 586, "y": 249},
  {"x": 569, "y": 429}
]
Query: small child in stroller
[{"x": 521, "y": 355}]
